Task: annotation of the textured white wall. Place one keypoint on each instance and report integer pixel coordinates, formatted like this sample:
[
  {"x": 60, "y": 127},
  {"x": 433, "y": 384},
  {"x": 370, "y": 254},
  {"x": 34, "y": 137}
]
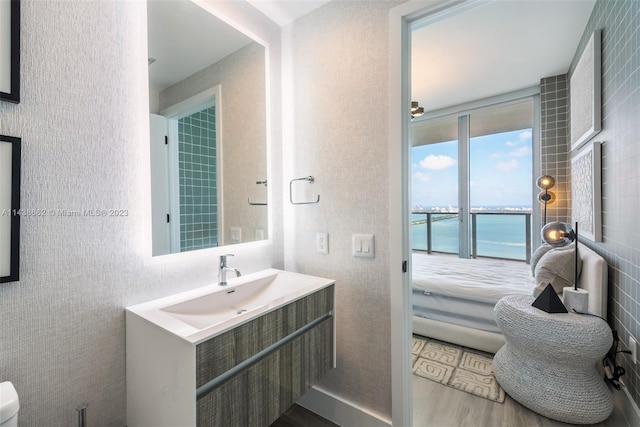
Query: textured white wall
[
  {"x": 339, "y": 92},
  {"x": 83, "y": 121}
]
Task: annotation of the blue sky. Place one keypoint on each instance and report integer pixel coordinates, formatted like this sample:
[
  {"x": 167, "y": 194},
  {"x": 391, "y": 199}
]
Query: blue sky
[{"x": 500, "y": 171}]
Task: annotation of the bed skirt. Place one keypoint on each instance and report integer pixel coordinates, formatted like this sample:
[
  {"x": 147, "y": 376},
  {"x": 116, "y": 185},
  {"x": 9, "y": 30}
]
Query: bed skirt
[
  {"x": 471, "y": 313},
  {"x": 487, "y": 341}
]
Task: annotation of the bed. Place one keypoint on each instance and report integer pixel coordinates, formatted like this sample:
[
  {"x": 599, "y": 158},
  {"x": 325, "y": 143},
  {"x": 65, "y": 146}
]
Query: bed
[{"x": 453, "y": 298}]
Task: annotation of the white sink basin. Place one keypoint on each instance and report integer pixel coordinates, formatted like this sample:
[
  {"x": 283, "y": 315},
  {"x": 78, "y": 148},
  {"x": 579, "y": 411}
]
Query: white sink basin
[
  {"x": 217, "y": 307},
  {"x": 208, "y": 311}
]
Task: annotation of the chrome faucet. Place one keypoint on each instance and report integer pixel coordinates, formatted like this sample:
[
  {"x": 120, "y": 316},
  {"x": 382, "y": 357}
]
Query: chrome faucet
[{"x": 222, "y": 270}]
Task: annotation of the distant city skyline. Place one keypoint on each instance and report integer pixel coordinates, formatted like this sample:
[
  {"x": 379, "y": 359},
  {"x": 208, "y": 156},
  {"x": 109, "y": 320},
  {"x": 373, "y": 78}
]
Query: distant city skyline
[
  {"x": 500, "y": 172},
  {"x": 480, "y": 208}
]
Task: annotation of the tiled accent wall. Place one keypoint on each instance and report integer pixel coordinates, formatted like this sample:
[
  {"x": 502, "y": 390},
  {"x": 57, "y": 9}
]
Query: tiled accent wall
[
  {"x": 198, "y": 192},
  {"x": 554, "y": 144},
  {"x": 620, "y": 246}
]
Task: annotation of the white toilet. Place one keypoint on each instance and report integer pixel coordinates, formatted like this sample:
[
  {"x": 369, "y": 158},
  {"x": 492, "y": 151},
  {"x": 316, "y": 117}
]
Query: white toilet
[{"x": 9, "y": 405}]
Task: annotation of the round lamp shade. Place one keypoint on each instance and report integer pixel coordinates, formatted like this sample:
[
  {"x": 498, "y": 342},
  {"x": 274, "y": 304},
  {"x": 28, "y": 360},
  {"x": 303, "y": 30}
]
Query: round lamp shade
[
  {"x": 558, "y": 234},
  {"x": 547, "y": 196},
  {"x": 545, "y": 182}
]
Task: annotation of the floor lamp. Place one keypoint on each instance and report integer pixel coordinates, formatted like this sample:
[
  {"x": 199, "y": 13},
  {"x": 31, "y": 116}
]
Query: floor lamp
[{"x": 545, "y": 182}]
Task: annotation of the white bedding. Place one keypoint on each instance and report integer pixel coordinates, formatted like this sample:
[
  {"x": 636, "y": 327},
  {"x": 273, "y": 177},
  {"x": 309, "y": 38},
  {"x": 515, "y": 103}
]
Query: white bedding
[
  {"x": 436, "y": 316},
  {"x": 485, "y": 280}
]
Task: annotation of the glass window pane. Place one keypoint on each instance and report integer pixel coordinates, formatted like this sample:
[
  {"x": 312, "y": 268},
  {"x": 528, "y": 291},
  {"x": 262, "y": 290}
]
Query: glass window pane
[
  {"x": 500, "y": 174},
  {"x": 435, "y": 196}
]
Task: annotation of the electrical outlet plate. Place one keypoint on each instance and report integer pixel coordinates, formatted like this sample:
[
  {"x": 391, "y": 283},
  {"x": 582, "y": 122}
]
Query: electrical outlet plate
[
  {"x": 633, "y": 346},
  {"x": 236, "y": 235},
  {"x": 322, "y": 243}
]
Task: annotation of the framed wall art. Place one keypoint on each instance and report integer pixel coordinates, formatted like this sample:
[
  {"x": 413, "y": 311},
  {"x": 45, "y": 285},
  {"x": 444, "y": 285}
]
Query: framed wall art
[
  {"x": 586, "y": 196},
  {"x": 10, "y": 50},
  {"x": 585, "y": 92},
  {"x": 10, "y": 153}
]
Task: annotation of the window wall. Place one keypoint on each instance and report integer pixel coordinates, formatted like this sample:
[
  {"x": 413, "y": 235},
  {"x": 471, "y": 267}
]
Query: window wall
[{"x": 472, "y": 174}]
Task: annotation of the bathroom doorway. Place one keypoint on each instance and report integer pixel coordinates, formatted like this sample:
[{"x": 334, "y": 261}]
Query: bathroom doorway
[
  {"x": 539, "y": 55},
  {"x": 186, "y": 175},
  {"x": 471, "y": 79}
]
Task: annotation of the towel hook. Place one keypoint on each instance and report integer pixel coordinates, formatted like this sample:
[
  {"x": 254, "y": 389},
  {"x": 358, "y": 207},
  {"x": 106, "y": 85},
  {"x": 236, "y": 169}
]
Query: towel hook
[{"x": 310, "y": 179}]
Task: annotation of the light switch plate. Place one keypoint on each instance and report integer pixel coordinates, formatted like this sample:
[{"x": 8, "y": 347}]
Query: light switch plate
[{"x": 363, "y": 245}]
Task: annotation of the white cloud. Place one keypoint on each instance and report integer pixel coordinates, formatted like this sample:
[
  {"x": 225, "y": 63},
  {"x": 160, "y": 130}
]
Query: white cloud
[
  {"x": 522, "y": 137},
  {"x": 495, "y": 155},
  {"x": 437, "y": 162},
  {"x": 507, "y": 166},
  {"x": 525, "y": 136},
  {"x": 520, "y": 152},
  {"x": 422, "y": 176}
]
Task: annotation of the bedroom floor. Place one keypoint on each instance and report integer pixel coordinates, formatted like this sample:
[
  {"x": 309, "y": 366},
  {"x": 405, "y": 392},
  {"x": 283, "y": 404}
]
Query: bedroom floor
[{"x": 439, "y": 405}]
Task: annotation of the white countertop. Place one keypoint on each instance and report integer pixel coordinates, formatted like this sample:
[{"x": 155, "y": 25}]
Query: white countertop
[{"x": 205, "y": 312}]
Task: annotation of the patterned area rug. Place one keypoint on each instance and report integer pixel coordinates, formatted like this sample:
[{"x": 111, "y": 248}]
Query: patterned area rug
[{"x": 457, "y": 367}]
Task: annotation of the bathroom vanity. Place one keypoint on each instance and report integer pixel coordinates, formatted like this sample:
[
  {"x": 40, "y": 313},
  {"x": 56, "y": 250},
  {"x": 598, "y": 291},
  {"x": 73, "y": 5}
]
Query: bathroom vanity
[{"x": 237, "y": 355}]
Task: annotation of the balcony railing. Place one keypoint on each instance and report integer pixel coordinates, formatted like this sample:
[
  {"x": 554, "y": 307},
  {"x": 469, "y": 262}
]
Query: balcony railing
[{"x": 494, "y": 234}]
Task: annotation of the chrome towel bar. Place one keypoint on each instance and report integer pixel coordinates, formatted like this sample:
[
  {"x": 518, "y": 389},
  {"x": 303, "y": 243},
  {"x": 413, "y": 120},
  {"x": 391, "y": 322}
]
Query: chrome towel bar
[{"x": 310, "y": 179}]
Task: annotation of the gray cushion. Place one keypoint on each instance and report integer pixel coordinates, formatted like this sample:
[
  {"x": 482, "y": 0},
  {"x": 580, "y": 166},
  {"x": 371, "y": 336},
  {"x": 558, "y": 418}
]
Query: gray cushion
[
  {"x": 537, "y": 255},
  {"x": 556, "y": 267}
]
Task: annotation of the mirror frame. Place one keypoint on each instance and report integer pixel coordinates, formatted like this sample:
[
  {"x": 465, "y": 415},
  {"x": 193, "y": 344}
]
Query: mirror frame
[
  {"x": 14, "y": 209},
  {"x": 241, "y": 16}
]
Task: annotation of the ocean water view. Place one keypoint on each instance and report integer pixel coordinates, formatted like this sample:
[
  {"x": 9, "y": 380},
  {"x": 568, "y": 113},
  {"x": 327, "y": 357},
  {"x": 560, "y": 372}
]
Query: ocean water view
[{"x": 499, "y": 236}]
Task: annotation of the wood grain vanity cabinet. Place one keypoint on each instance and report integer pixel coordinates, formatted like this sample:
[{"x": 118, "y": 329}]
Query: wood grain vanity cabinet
[{"x": 246, "y": 376}]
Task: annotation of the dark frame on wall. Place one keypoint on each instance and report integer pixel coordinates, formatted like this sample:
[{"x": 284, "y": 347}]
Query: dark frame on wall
[
  {"x": 10, "y": 155},
  {"x": 10, "y": 52}
]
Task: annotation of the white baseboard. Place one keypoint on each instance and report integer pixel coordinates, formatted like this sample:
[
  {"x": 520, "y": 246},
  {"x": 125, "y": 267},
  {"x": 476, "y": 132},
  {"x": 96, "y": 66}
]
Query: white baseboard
[
  {"x": 629, "y": 408},
  {"x": 340, "y": 411}
]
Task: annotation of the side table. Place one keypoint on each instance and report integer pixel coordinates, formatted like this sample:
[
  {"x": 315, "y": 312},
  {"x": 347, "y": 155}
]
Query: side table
[{"x": 548, "y": 362}]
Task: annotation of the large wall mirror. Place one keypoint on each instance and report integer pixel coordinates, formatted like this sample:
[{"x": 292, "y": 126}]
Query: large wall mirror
[{"x": 207, "y": 101}]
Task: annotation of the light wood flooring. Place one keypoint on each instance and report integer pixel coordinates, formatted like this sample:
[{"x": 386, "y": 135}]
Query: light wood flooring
[{"x": 437, "y": 405}]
